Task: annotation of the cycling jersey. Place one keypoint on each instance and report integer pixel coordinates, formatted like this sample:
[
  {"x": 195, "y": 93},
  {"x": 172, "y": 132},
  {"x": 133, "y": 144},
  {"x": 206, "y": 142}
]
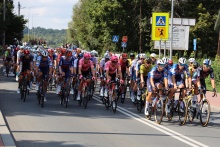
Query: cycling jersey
[
  {"x": 53, "y": 57},
  {"x": 179, "y": 74},
  {"x": 44, "y": 65},
  {"x": 204, "y": 74},
  {"x": 66, "y": 65},
  {"x": 132, "y": 70},
  {"x": 111, "y": 69},
  {"x": 85, "y": 66},
  {"x": 26, "y": 62},
  {"x": 145, "y": 70},
  {"x": 124, "y": 65}
]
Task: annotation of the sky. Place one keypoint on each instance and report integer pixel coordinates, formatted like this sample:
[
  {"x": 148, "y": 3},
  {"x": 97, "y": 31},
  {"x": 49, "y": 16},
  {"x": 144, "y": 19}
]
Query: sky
[{"x": 54, "y": 14}]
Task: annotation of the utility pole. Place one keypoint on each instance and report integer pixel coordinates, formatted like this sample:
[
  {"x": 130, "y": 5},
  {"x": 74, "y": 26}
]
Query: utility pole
[
  {"x": 171, "y": 34},
  {"x": 19, "y": 7},
  {"x": 3, "y": 34},
  {"x": 140, "y": 27}
]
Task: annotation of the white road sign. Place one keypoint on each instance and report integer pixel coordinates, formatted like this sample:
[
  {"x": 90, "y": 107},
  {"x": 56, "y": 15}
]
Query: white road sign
[{"x": 180, "y": 39}]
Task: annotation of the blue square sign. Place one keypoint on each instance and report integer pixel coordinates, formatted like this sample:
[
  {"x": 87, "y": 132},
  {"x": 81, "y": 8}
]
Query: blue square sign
[{"x": 160, "y": 20}]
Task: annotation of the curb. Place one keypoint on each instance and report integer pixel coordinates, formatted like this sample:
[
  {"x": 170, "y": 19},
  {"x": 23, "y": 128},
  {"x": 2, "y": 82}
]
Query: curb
[{"x": 6, "y": 136}]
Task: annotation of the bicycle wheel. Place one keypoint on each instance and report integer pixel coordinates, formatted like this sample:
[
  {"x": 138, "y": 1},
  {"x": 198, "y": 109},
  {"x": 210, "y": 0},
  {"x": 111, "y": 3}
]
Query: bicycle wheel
[
  {"x": 114, "y": 106},
  {"x": 182, "y": 111},
  {"x": 7, "y": 69},
  {"x": 191, "y": 111},
  {"x": 123, "y": 93},
  {"x": 24, "y": 90},
  {"x": 204, "y": 112},
  {"x": 172, "y": 110},
  {"x": 106, "y": 102},
  {"x": 85, "y": 98},
  {"x": 159, "y": 110},
  {"x": 66, "y": 100},
  {"x": 139, "y": 105},
  {"x": 38, "y": 96}
]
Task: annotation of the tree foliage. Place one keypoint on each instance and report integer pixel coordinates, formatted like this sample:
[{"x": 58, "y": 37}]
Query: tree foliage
[{"x": 94, "y": 22}]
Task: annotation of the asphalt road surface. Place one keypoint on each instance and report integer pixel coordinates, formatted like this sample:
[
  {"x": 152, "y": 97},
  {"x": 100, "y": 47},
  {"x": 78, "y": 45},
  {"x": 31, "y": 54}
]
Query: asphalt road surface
[{"x": 55, "y": 125}]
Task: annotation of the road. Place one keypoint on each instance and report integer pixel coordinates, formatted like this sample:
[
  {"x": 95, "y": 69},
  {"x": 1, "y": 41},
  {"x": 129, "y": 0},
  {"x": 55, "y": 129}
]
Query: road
[{"x": 55, "y": 125}]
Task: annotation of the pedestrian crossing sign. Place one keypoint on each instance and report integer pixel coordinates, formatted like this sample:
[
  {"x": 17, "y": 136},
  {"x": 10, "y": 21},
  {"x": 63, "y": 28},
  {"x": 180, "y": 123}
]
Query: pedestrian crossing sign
[
  {"x": 160, "y": 21},
  {"x": 115, "y": 38},
  {"x": 160, "y": 26}
]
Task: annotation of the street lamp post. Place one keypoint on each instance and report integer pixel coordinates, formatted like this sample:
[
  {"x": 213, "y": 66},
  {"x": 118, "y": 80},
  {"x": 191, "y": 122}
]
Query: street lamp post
[
  {"x": 171, "y": 34},
  {"x": 3, "y": 38}
]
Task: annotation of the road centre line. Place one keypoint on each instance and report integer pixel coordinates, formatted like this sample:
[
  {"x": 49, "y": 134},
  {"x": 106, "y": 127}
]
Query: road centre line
[{"x": 158, "y": 127}]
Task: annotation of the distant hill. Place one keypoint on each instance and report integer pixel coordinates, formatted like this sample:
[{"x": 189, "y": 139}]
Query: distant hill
[{"x": 53, "y": 37}]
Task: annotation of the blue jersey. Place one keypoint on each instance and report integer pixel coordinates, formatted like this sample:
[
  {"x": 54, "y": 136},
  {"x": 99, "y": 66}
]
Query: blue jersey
[
  {"x": 157, "y": 75},
  {"x": 43, "y": 65},
  {"x": 66, "y": 64},
  {"x": 177, "y": 72}
]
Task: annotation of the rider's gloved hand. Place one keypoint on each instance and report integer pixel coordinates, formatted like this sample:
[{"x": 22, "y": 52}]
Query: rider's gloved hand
[
  {"x": 80, "y": 77},
  {"x": 108, "y": 80},
  {"x": 122, "y": 81},
  {"x": 93, "y": 78}
]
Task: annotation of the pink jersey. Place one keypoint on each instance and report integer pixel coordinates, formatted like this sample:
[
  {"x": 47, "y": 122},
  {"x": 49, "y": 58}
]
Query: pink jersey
[
  {"x": 85, "y": 66},
  {"x": 111, "y": 69}
]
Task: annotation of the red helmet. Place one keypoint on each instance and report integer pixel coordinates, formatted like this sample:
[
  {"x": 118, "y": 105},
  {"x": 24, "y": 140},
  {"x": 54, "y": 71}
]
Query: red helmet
[
  {"x": 124, "y": 55},
  {"x": 16, "y": 49},
  {"x": 69, "y": 53},
  {"x": 114, "y": 58},
  {"x": 63, "y": 50},
  {"x": 26, "y": 52},
  {"x": 87, "y": 55},
  {"x": 50, "y": 50},
  {"x": 170, "y": 62}
]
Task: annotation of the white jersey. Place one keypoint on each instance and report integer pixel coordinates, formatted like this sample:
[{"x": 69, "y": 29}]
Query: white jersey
[{"x": 19, "y": 55}]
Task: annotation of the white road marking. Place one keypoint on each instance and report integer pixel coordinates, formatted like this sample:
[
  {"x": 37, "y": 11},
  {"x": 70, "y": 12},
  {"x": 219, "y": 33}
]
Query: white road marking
[{"x": 158, "y": 127}]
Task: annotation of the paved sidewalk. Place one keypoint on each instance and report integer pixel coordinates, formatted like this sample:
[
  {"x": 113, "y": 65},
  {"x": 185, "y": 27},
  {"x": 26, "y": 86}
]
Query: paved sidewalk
[{"x": 6, "y": 138}]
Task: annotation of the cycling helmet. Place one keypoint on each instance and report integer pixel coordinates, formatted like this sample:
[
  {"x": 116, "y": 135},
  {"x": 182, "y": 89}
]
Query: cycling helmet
[
  {"x": 195, "y": 65},
  {"x": 8, "y": 48},
  {"x": 142, "y": 56},
  {"x": 170, "y": 62},
  {"x": 182, "y": 60},
  {"x": 137, "y": 56},
  {"x": 160, "y": 62},
  {"x": 44, "y": 53},
  {"x": 63, "y": 50},
  {"x": 26, "y": 52},
  {"x": 165, "y": 60},
  {"x": 106, "y": 56},
  {"x": 132, "y": 55},
  {"x": 153, "y": 55},
  {"x": 207, "y": 62},
  {"x": 69, "y": 53},
  {"x": 21, "y": 47},
  {"x": 50, "y": 50},
  {"x": 93, "y": 52},
  {"x": 87, "y": 55},
  {"x": 148, "y": 60},
  {"x": 16, "y": 49},
  {"x": 114, "y": 58},
  {"x": 124, "y": 55},
  {"x": 191, "y": 60}
]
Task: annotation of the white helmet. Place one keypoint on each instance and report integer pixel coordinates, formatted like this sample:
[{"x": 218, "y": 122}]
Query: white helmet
[
  {"x": 106, "y": 56},
  {"x": 93, "y": 52},
  {"x": 160, "y": 62},
  {"x": 44, "y": 53},
  {"x": 207, "y": 62},
  {"x": 191, "y": 60},
  {"x": 8, "y": 48},
  {"x": 153, "y": 55},
  {"x": 142, "y": 56},
  {"x": 165, "y": 59},
  {"x": 182, "y": 60}
]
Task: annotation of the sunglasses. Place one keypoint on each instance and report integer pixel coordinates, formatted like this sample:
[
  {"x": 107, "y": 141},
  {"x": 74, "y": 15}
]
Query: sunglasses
[
  {"x": 44, "y": 57},
  {"x": 162, "y": 65},
  {"x": 114, "y": 62},
  {"x": 148, "y": 62},
  {"x": 182, "y": 64},
  {"x": 124, "y": 58},
  {"x": 86, "y": 58},
  {"x": 142, "y": 58},
  {"x": 207, "y": 66}
]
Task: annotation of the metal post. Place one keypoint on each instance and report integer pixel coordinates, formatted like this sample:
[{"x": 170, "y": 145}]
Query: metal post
[
  {"x": 164, "y": 49},
  {"x": 160, "y": 48},
  {"x": 19, "y": 7},
  {"x": 171, "y": 34},
  {"x": 3, "y": 34}
]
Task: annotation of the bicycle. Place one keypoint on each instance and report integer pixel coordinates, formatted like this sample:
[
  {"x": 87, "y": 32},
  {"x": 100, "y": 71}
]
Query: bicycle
[
  {"x": 111, "y": 96},
  {"x": 65, "y": 91},
  {"x": 23, "y": 87},
  {"x": 140, "y": 101},
  {"x": 42, "y": 90},
  {"x": 85, "y": 92},
  {"x": 198, "y": 111}
]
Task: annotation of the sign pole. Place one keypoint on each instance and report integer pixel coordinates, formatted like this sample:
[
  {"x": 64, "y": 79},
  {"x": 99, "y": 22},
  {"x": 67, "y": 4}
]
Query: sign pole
[
  {"x": 164, "y": 48},
  {"x": 115, "y": 46},
  {"x": 160, "y": 47},
  {"x": 171, "y": 31}
]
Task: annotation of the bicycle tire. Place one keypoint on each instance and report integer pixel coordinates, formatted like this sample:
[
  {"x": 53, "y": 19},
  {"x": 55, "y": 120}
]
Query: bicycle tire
[
  {"x": 66, "y": 96},
  {"x": 172, "y": 110},
  {"x": 7, "y": 69},
  {"x": 205, "y": 123},
  {"x": 139, "y": 106},
  {"x": 106, "y": 102},
  {"x": 24, "y": 90},
  {"x": 191, "y": 111},
  {"x": 85, "y": 98},
  {"x": 38, "y": 97},
  {"x": 159, "y": 110},
  {"x": 114, "y": 108},
  {"x": 183, "y": 115}
]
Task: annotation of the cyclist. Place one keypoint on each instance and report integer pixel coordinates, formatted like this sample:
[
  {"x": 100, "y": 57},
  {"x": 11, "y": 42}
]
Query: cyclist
[
  {"x": 43, "y": 68},
  {"x": 7, "y": 57},
  {"x": 86, "y": 69},
  {"x": 206, "y": 70},
  {"x": 65, "y": 68},
  {"x": 112, "y": 67},
  {"x": 177, "y": 73},
  {"x": 191, "y": 61},
  {"x": 26, "y": 66},
  {"x": 153, "y": 58},
  {"x": 102, "y": 73},
  {"x": 19, "y": 53},
  {"x": 53, "y": 58},
  {"x": 133, "y": 85},
  {"x": 156, "y": 77}
]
